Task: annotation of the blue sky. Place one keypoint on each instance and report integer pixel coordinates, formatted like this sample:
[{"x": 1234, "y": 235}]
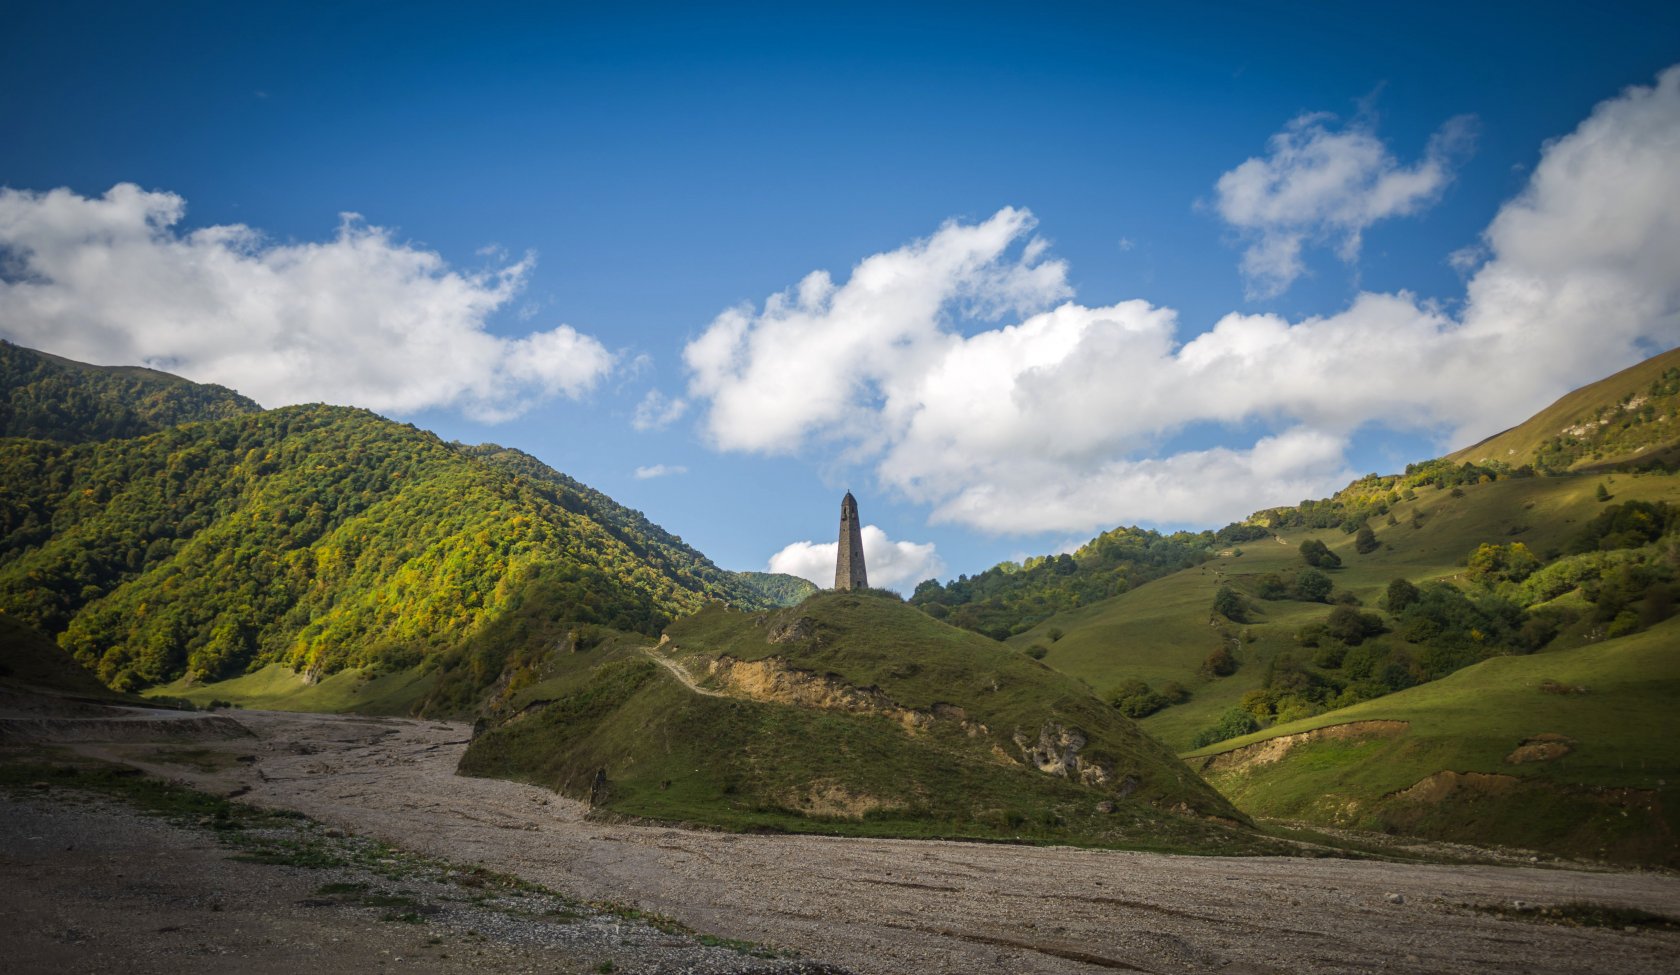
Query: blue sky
[{"x": 556, "y": 205}]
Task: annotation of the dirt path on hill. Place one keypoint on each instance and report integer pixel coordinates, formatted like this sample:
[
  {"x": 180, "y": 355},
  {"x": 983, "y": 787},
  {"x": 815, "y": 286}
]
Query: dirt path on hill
[
  {"x": 683, "y": 676},
  {"x": 888, "y": 906}
]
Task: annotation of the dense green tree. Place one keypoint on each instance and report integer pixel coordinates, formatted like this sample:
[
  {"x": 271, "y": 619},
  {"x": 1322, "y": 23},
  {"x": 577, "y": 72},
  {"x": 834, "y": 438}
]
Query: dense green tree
[
  {"x": 1312, "y": 586},
  {"x": 1318, "y": 555},
  {"x": 1233, "y": 723},
  {"x": 1227, "y": 602},
  {"x": 1401, "y": 593},
  {"x": 1136, "y": 699},
  {"x": 1219, "y": 663},
  {"x": 1351, "y": 626},
  {"x": 1491, "y": 563}
]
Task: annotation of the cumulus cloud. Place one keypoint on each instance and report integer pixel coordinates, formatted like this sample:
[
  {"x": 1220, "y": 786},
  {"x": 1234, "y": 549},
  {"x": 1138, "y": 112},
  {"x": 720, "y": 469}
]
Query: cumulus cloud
[
  {"x": 1317, "y": 184},
  {"x": 659, "y": 470},
  {"x": 802, "y": 365},
  {"x": 360, "y": 318},
  {"x": 1055, "y": 419},
  {"x": 891, "y": 565},
  {"x": 657, "y": 411}
]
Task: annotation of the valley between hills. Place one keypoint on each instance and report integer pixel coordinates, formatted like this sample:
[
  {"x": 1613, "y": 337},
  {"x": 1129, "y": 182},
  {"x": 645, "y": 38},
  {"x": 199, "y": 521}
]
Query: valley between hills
[{"x": 1426, "y": 724}]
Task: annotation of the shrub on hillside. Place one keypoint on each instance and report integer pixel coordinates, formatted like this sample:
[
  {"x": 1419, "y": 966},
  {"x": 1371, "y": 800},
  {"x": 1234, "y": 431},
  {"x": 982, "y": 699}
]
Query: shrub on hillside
[
  {"x": 1351, "y": 627},
  {"x": 1227, "y": 602},
  {"x": 1401, "y": 593},
  {"x": 1319, "y": 556},
  {"x": 1219, "y": 663},
  {"x": 1365, "y": 542},
  {"x": 1136, "y": 699},
  {"x": 1490, "y": 564},
  {"x": 1312, "y": 586},
  {"x": 1234, "y": 723}
]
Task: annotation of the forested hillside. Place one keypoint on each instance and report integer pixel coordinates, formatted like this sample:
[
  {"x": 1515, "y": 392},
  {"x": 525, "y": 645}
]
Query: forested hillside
[
  {"x": 1011, "y": 597},
  {"x": 317, "y": 537},
  {"x": 49, "y": 398}
]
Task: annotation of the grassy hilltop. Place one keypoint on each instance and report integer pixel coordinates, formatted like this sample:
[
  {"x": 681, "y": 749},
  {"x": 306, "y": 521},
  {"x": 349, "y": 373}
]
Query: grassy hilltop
[
  {"x": 1627, "y": 418},
  {"x": 852, "y": 714}
]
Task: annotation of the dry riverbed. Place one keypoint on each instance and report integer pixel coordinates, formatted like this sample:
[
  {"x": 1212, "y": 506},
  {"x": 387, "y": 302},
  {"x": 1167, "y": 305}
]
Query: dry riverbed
[{"x": 885, "y": 906}]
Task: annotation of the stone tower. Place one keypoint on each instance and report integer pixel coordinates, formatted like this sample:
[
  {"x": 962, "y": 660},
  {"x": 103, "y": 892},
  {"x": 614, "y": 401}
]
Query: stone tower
[{"x": 849, "y": 572}]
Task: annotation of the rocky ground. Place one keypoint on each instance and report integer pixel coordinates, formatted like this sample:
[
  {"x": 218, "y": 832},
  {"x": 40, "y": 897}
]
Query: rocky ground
[{"x": 872, "y": 906}]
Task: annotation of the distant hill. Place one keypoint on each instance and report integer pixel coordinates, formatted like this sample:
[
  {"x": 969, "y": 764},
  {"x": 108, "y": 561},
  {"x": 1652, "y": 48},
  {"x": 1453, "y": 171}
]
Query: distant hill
[
  {"x": 48, "y": 398},
  {"x": 1011, "y": 597},
  {"x": 1168, "y": 631},
  {"x": 778, "y": 588},
  {"x": 850, "y": 713},
  {"x": 1632, "y": 417},
  {"x": 320, "y": 538}
]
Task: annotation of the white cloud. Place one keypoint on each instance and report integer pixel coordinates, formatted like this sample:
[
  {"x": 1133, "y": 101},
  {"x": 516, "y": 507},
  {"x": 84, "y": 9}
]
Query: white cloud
[
  {"x": 359, "y": 319},
  {"x": 659, "y": 470},
  {"x": 1054, "y": 420},
  {"x": 891, "y": 565},
  {"x": 801, "y": 366},
  {"x": 1316, "y": 185},
  {"x": 657, "y": 411}
]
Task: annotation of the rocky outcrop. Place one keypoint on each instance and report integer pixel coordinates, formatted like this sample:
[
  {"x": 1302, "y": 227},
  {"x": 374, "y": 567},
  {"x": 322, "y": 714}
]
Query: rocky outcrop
[
  {"x": 1436, "y": 788},
  {"x": 1274, "y": 749},
  {"x": 1056, "y": 752},
  {"x": 772, "y": 679},
  {"x": 1541, "y": 748}
]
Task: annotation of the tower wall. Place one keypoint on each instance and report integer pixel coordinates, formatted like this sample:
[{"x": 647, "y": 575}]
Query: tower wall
[{"x": 849, "y": 570}]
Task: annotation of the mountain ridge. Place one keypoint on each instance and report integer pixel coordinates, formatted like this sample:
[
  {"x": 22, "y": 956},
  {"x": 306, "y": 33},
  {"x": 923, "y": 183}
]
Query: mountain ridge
[{"x": 315, "y": 536}]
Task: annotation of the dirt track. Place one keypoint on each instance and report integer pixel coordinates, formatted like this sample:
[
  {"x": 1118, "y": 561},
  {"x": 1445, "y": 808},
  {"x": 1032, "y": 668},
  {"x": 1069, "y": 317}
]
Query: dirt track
[{"x": 911, "y": 906}]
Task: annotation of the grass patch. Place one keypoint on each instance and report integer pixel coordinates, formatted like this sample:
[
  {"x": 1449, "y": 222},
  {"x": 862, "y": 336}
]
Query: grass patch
[{"x": 279, "y": 688}]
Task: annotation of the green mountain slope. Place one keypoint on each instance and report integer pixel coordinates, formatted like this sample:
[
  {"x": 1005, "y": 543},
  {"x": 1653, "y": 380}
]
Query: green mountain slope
[
  {"x": 316, "y": 537},
  {"x": 1571, "y": 752},
  {"x": 48, "y": 398},
  {"x": 850, "y": 713},
  {"x": 1010, "y": 597},
  {"x": 1627, "y": 418},
  {"x": 1166, "y": 632},
  {"x": 778, "y": 588}
]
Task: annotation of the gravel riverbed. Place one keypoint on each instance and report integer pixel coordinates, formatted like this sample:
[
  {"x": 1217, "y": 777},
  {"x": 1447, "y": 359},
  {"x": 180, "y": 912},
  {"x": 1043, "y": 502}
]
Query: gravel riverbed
[{"x": 901, "y": 906}]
